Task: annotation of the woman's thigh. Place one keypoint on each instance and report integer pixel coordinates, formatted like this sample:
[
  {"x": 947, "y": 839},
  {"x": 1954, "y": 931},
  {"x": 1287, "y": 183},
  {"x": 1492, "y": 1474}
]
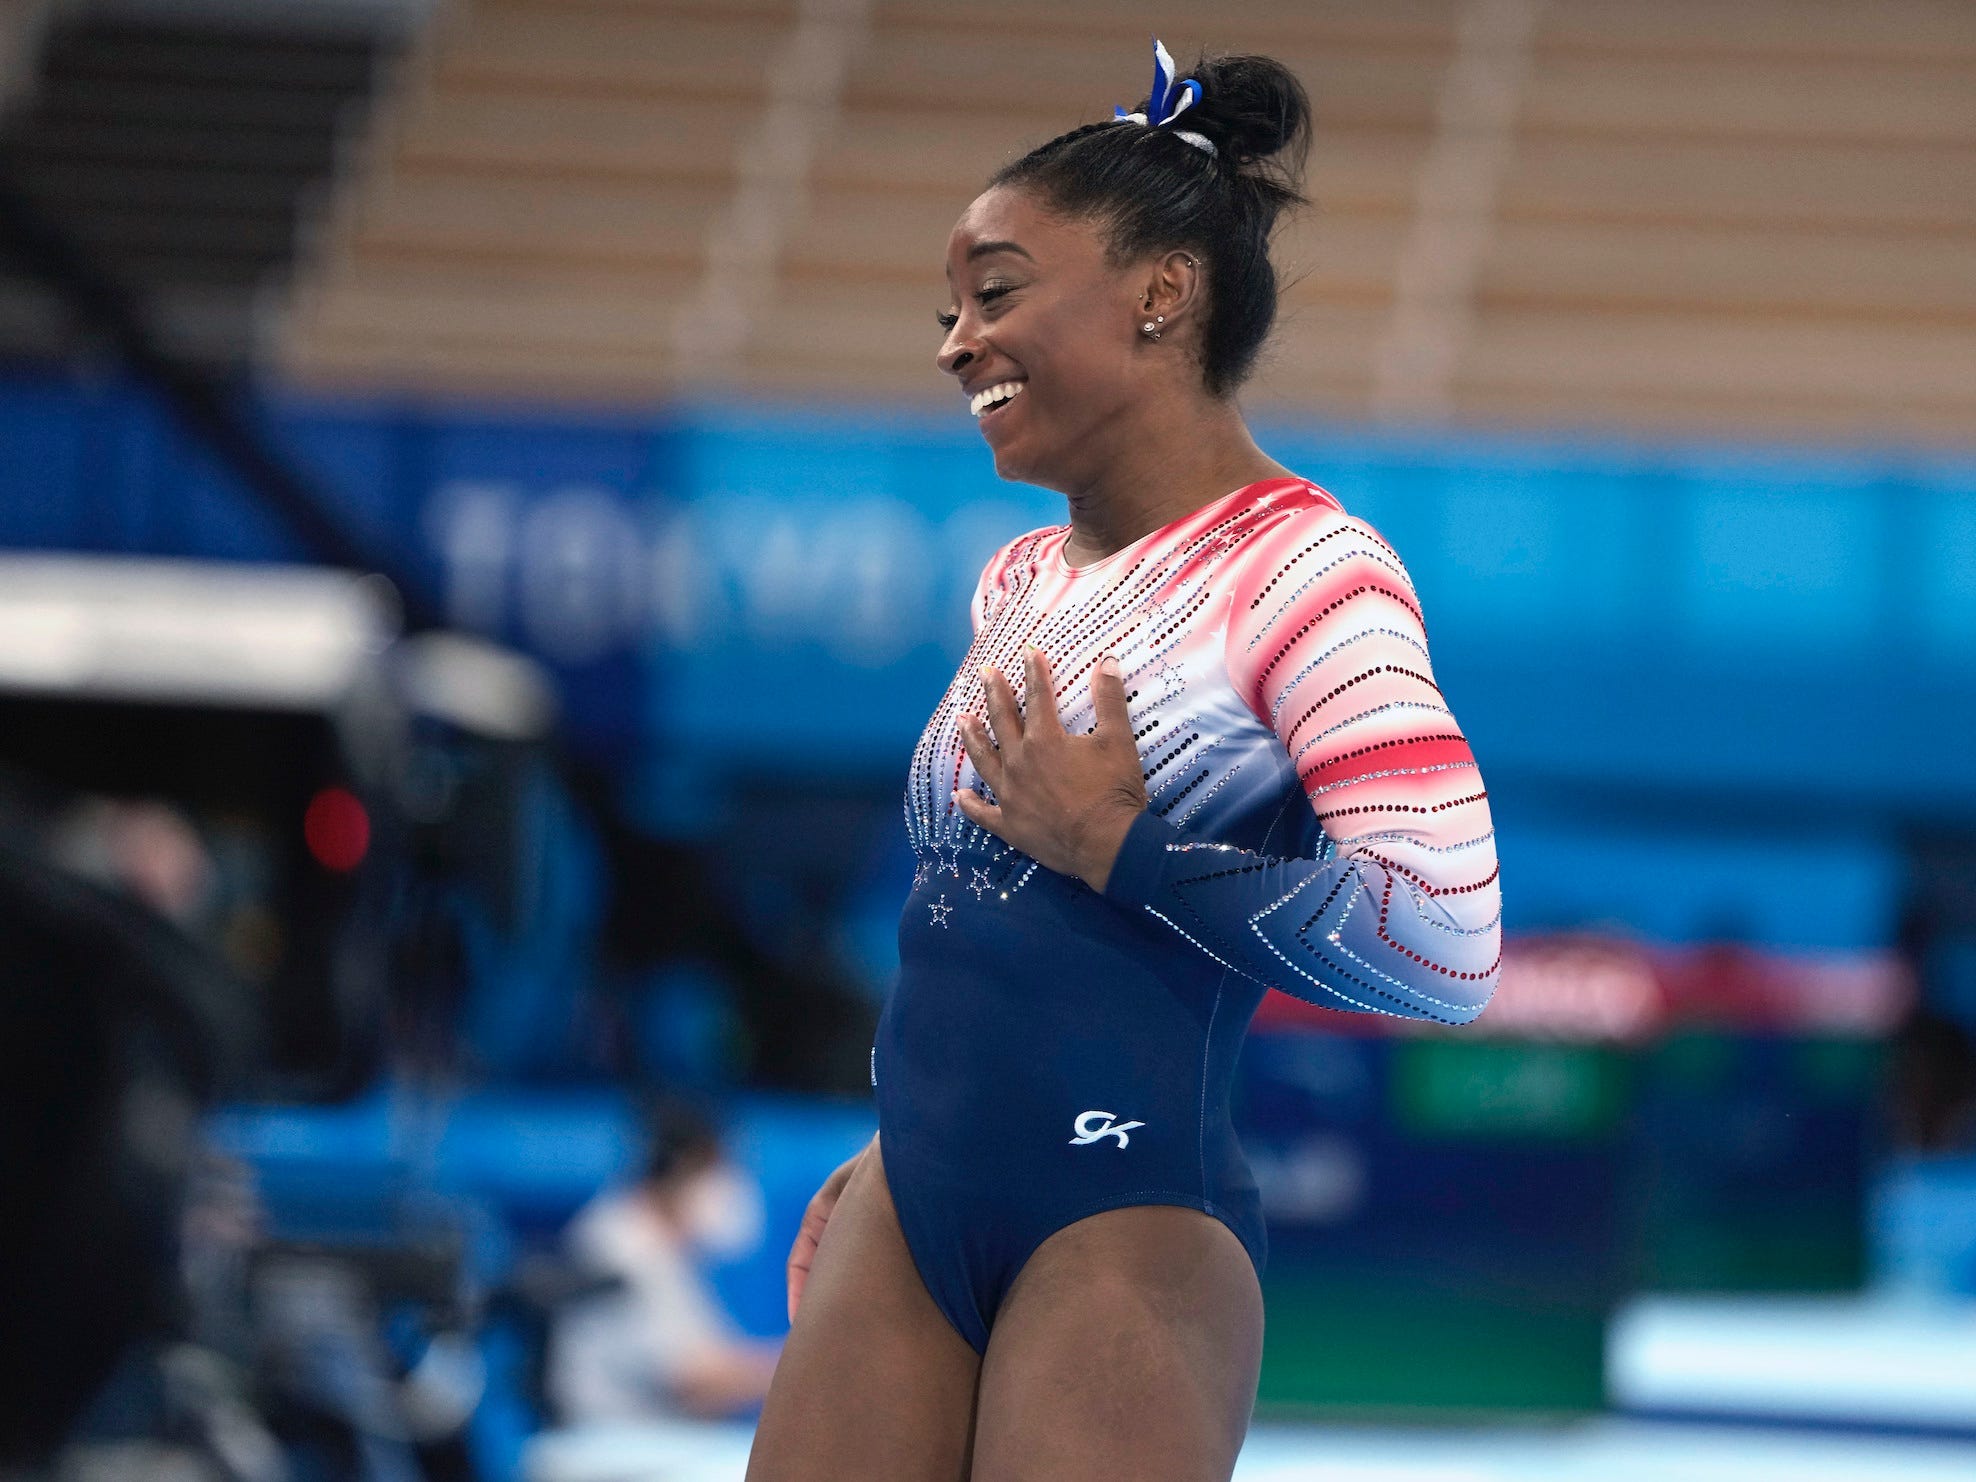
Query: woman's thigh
[
  {"x": 1128, "y": 1346},
  {"x": 874, "y": 1381}
]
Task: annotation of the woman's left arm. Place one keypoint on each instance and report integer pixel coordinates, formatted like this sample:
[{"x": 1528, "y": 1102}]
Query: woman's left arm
[{"x": 1402, "y": 913}]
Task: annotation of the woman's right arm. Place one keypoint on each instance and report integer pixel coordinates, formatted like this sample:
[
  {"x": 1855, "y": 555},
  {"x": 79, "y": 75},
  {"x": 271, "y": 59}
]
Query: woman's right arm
[{"x": 815, "y": 1217}]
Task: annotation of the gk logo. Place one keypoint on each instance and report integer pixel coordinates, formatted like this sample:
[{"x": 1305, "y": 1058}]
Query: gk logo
[{"x": 1086, "y": 1132}]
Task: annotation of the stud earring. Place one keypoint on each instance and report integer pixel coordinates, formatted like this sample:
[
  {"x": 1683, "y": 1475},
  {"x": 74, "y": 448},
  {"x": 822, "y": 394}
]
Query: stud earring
[{"x": 1151, "y": 326}]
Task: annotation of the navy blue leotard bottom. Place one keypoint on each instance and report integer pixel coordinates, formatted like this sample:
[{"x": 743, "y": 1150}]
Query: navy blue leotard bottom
[{"x": 1047, "y": 1055}]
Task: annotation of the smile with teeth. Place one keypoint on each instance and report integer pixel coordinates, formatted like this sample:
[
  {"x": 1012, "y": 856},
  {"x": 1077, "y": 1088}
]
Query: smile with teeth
[{"x": 994, "y": 396}]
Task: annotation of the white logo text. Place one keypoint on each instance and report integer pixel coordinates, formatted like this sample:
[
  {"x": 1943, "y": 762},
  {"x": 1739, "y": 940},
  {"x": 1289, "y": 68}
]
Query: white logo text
[{"x": 1086, "y": 1132}]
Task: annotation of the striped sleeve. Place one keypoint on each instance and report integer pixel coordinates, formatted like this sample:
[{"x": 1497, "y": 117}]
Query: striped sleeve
[{"x": 1401, "y": 911}]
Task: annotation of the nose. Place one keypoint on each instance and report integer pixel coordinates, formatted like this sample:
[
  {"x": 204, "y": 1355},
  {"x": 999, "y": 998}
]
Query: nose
[{"x": 956, "y": 354}]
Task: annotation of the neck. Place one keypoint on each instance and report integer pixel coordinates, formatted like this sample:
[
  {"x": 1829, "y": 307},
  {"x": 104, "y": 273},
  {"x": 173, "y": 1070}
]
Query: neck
[{"x": 1169, "y": 464}]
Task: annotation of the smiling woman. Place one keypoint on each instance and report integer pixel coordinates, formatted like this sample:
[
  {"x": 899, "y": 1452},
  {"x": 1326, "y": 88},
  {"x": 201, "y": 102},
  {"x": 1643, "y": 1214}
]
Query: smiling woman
[{"x": 1196, "y": 751}]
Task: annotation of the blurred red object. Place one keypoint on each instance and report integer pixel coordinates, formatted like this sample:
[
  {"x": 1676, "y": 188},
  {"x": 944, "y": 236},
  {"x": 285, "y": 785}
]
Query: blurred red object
[
  {"x": 337, "y": 829},
  {"x": 1738, "y": 986},
  {"x": 1599, "y": 989}
]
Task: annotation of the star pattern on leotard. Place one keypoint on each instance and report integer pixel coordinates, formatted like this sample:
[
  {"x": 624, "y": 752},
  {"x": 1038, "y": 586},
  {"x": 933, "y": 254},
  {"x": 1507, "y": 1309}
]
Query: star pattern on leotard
[
  {"x": 940, "y": 909},
  {"x": 1158, "y": 670},
  {"x": 979, "y": 883}
]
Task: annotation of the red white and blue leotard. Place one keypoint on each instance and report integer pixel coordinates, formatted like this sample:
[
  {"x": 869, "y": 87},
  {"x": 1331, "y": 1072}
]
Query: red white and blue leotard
[{"x": 1317, "y": 824}]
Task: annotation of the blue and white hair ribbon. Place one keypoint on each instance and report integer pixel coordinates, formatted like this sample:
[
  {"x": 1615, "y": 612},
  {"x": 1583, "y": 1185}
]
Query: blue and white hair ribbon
[{"x": 1168, "y": 100}]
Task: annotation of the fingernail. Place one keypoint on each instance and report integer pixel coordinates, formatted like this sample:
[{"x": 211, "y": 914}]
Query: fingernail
[{"x": 1109, "y": 664}]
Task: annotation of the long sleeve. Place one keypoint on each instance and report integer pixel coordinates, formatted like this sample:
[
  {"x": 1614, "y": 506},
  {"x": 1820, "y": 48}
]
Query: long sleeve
[{"x": 1401, "y": 912}]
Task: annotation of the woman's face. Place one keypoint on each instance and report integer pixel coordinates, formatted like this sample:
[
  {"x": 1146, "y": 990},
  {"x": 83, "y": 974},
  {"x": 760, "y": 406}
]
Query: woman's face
[{"x": 1037, "y": 307}]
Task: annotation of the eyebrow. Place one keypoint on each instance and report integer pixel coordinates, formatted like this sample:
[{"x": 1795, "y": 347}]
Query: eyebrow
[{"x": 984, "y": 249}]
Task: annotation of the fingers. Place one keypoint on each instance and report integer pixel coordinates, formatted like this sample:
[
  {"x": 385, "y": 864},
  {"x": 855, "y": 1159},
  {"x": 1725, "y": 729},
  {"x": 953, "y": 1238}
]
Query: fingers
[
  {"x": 1108, "y": 698},
  {"x": 816, "y": 1214},
  {"x": 986, "y": 757},
  {"x": 978, "y": 809},
  {"x": 1002, "y": 711},
  {"x": 1042, "y": 687},
  {"x": 800, "y": 1256}
]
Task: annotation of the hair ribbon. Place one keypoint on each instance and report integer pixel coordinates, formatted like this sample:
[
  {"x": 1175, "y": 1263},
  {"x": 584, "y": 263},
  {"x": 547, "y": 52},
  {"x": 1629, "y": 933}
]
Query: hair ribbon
[{"x": 1168, "y": 100}]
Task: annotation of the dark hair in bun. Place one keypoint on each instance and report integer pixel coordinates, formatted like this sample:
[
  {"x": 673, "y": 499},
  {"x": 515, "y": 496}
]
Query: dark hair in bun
[{"x": 1154, "y": 191}]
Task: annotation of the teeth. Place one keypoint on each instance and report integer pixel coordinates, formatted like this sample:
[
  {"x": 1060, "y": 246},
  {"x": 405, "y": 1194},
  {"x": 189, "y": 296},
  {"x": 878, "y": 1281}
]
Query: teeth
[{"x": 985, "y": 399}]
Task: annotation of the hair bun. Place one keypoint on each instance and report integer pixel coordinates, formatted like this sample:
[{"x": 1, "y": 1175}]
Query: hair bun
[
  {"x": 1254, "y": 109},
  {"x": 1146, "y": 191}
]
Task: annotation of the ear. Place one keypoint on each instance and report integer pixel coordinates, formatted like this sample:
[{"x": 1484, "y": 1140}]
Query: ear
[{"x": 1174, "y": 286}]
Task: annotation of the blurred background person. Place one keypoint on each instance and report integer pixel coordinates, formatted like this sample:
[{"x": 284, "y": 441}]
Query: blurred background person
[
  {"x": 656, "y": 1343},
  {"x": 111, "y": 1043}
]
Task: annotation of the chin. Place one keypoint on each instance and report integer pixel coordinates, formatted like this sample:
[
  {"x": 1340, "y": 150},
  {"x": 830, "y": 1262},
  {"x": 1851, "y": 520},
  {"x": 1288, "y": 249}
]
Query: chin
[{"x": 1016, "y": 464}]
